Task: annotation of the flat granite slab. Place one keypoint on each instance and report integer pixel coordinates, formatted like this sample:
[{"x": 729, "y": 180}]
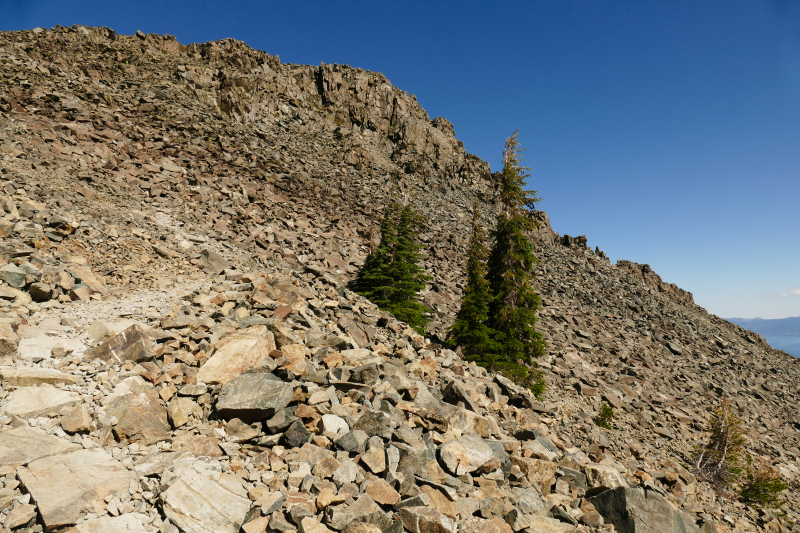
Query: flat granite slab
[{"x": 25, "y": 444}]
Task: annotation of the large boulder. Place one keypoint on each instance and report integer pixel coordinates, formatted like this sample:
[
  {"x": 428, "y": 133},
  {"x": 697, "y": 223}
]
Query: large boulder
[
  {"x": 66, "y": 486},
  {"x": 131, "y": 344},
  {"x": 237, "y": 352},
  {"x": 253, "y": 396},
  {"x": 200, "y": 498},
  {"x": 636, "y": 510}
]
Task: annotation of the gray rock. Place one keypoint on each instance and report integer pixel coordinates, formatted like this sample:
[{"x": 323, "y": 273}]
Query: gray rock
[
  {"x": 132, "y": 344},
  {"x": 636, "y": 510},
  {"x": 251, "y": 397},
  {"x": 465, "y": 454}
]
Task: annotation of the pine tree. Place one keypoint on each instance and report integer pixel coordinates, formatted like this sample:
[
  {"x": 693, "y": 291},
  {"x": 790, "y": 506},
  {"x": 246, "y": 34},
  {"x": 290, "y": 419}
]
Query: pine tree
[
  {"x": 512, "y": 311},
  {"x": 392, "y": 276},
  {"x": 469, "y": 331}
]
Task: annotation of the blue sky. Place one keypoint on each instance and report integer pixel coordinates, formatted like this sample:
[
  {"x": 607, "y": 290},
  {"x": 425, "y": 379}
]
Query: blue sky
[{"x": 668, "y": 132}]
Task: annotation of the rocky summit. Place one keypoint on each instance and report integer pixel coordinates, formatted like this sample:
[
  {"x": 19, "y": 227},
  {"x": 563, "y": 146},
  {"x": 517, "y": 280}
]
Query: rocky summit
[{"x": 180, "y": 352}]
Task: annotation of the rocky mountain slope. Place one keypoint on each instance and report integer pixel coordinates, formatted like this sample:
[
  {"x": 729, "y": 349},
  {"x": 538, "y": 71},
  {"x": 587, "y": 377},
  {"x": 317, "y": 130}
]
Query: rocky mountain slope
[{"x": 180, "y": 352}]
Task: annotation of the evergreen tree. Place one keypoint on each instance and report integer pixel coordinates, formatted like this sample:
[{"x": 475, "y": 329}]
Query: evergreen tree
[
  {"x": 392, "y": 276},
  {"x": 512, "y": 310},
  {"x": 469, "y": 331}
]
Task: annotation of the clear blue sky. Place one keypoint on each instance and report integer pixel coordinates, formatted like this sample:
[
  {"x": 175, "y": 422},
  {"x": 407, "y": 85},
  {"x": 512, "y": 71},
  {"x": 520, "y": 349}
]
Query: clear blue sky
[{"x": 668, "y": 132}]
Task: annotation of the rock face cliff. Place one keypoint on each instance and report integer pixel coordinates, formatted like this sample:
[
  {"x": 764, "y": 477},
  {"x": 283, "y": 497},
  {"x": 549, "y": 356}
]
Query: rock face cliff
[{"x": 178, "y": 224}]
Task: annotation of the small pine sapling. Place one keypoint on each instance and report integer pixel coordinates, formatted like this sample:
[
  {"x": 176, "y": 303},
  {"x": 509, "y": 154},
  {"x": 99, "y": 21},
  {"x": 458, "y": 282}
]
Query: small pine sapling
[
  {"x": 469, "y": 332},
  {"x": 392, "y": 276},
  {"x": 605, "y": 416},
  {"x": 718, "y": 461},
  {"x": 763, "y": 485}
]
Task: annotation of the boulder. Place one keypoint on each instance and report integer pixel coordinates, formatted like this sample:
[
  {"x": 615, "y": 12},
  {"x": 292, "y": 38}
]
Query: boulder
[
  {"x": 67, "y": 485},
  {"x": 202, "y": 499},
  {"x": 543, "y": 473},
  {"x": 25, "y": 444},
  {"x": 141, "y": 417},
  {"x": 637, "y": 510},
  {"x": 425, "y": 520},
  {"x": 33, "y": 402},
  {"x": 465, "y": 454},
  {"x": 236, "y": 352},
  {"x": 603, "y": 477},
  {"x": 251, "y": 397},
  {"x": 31, "y": 376},
  {"x": 132, "y": 344}
]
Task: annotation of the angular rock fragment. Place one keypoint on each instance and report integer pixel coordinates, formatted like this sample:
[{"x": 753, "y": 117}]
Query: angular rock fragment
[
  {"x": 237, "y": 352},
  {"x": 251, "y": 397},
  {"x": 131, "y": 344}
]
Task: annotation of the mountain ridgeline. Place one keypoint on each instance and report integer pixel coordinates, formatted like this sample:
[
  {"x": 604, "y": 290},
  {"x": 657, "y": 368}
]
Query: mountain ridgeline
[
  {"x": 770, "y": 326},
  {"x": 179, "y": 225}
]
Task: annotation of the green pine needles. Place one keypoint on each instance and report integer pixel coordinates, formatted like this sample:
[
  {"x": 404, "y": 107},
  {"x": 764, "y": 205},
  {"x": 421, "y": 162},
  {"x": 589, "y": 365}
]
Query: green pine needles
[
  {"x": 470, "y": 330},
  {"x": 496, "y": 326},
  {"x": 392, "y": 276}
]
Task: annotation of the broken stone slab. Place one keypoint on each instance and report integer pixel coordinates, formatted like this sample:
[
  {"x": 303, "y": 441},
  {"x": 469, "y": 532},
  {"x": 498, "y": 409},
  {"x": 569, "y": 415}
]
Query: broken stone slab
[
  {"x": 203, "y": 499},
  {"x": 101, "y": 329},
  {"x": 637, "y": 510},
  {"x": 67, "y": 485},
  {"x": 127, "y": 523},
  {"x": 25, "y": 444},
  {"x": 132, "y": 344},
  {"x": 251, "y": 397},
  {"x": 32, "y": 376},
  {"x": 180, "y": 409},
  {"x": 236, "y": 352},
  {"x": 425, "y": 520},
  {"x": 465, "y": 454},
  {"x": 38, "y": 348},
  {"x": 141, "y": 417},
  {"x": 33, "y": 402}
]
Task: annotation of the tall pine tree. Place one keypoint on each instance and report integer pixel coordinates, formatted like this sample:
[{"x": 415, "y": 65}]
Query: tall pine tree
[
  {"x": 392, "y": 276},
  {"x": 469, "y": 332},
  {"x": 512, "y": 310}
]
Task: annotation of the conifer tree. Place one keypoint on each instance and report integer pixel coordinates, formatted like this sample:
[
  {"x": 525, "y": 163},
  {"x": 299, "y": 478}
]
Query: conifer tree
[
  {"x": 392, "y": 275},
  {"x": 470, "y": 331},
  {"x": 512, "y": 310}
]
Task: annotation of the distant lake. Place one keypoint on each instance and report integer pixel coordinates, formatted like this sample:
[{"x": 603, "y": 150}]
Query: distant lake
[{"x": 789, "y": 343}]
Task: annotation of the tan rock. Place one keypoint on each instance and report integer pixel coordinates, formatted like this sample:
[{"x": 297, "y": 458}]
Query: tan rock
[
  {"x": 8, "y": 339},
  {"x": 424, "y": 520},
  {"x": 237, "y": 352},
  {"x": 383, "y": 493},
  {"x": 439, "y": 501},
  {"x": 25, "y": 444},
  {"x": 543, "y": 473},
  {"x": 310, "y": 525},
  {"x": 180, "y": 409},
  {"x": 132, "y": 344},
  {"x": 19, "y": 515},
  {"x": 258, "y": 525},
  {"x": 30, "y": 377},
  {"x": 197, "y": 445},
  {"x": 141, "y": 417},
  {"x": 33, "y": 402},
  {"x": 76, "y": 419},
  {"x": 67, "y": 485}
]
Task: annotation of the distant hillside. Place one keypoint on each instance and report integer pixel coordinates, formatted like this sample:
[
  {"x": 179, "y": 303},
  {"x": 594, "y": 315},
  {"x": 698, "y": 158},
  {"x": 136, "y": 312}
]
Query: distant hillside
[{"x": 768, "y": 327}]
